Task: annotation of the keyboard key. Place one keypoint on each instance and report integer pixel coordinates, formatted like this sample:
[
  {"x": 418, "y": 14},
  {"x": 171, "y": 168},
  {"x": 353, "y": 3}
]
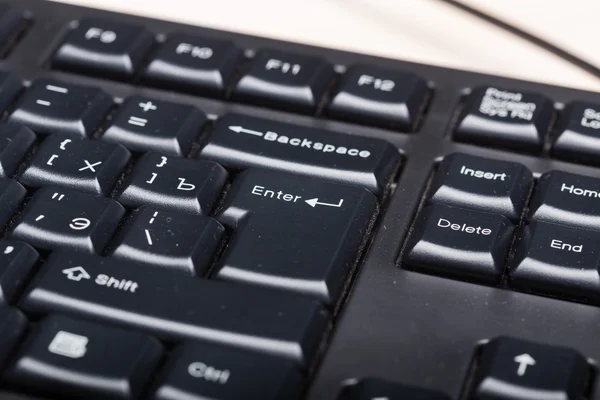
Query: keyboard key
[
  {"x": 283, "y": 80},
  {"x": 17, "y": 261},
  {"x": 579, "y": 134},
  {"x": 11, "y": 196},
  {"x": 459, "y": 243},
  {"x": 194, "y": 64},
  {"x": 565, "y": 198},
  {"x": 294, "y": 233},
  {"x": 511, "y": 369},
  {"x": 170, "y": 239},
  {"x": 105, "y": 48},
  {"x": 174, "y": 184},
  {"x": 241, "y": 142},
  {"x": 174, "y": 307},
  {"x": 482, "y": 184},
  {"x": 85, "y": 165},
  {"x": 200, "y": 370},
  {"x": 77, "y": 359},
  {"x": 557, "y": 260},
  {"x": 505, "y": 118},
  {"x": 54, "y": 107},
  {"x": 12, "y": 22},
  {"x": 10, "y": 87},
  {"x": 387, "y": 98},
  {"x": 15, "y": 143},
  {"x": 63, "y": 218},
  {"x": 12, "y": 328},
  {"x": 378, "y": 389},
  {"x": 143, "y": 124}
]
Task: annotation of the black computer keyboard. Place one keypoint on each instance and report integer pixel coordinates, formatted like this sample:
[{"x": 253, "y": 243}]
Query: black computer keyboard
[{"x": 197, "y": 214}]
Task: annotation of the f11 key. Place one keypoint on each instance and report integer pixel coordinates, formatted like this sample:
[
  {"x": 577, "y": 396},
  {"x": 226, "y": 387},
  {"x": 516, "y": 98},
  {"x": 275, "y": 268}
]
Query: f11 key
[{"x": 242, "y": 142}]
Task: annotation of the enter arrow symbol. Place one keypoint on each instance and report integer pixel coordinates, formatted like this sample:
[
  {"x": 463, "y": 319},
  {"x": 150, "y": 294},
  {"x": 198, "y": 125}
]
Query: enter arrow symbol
[
  {"x": 524, "y": 361},
  {"x": 314, "y": 202},
  {"x": 240, "y": 129}
]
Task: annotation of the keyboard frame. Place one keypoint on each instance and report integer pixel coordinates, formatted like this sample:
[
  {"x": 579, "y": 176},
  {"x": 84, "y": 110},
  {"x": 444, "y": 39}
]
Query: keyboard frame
[{"x": 400, "y": 325}]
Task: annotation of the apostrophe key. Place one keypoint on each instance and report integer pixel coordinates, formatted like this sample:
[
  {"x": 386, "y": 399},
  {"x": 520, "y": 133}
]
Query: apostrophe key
[
  {"x": 505, "y": 118},
  {"x": 241, "y": 142},
  {"x": 459, "y": 243},
  {"x": 284, "y": 80},
  {"x": 104, "y": 47},
  {"x": 15, "y": 143},
  {"x": 63, "y": 218},
  {"x": 143, "y": 124},
  {"x": 482, "y": 184},
  {"x": 193, "y": 64},
  {"x": 170, "y": 239},
  {"x": 565, "y": 198},
  {"x": 377, "y": 96},
  {"x": 172, "y": 183},
  {"x": 88, "y": 166},
  {"x": 174, "y": 307},
  {"x": 578, "y": 137},
  {"x": 201, "y": 370},
  {"x": 64, "y": 356},
  {"x": 50, "y": 107},
  {"x": 294, "y": 233}
]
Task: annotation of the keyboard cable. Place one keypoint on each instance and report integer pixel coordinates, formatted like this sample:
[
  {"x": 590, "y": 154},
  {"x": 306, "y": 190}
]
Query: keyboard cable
[{"x": 560, "y": 52}]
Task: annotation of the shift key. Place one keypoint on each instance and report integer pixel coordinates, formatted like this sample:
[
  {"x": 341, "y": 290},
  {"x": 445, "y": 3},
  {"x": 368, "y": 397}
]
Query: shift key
[
  {"x": 175, "y": 307},
  {"x": 239, "y": 142}
]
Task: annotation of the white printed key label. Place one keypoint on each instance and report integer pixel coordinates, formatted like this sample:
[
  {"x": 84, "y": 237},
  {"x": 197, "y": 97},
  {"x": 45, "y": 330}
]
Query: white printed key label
[
  {"x": 505, "y": 104},
  {"x": 79, "y": 274},
  {"x": 68, "y": 344},
  {"x": 301, "y": 143}
]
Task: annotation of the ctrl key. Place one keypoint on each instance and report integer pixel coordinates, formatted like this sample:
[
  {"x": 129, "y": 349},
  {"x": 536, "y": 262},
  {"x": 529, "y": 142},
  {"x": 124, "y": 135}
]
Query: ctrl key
[
  {"x": 68, "y": 358},
  {"x": 202, "y": 370},
  {"x": 459, "y": 243}
]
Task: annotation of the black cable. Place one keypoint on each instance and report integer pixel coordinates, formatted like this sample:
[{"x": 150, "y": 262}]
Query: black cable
[{"x": 565, "y": 55}]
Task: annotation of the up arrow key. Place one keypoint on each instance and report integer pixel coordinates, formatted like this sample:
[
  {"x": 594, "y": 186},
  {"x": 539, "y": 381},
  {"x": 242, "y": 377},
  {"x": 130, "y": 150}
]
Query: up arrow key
[{"x": 524, "y": 361}]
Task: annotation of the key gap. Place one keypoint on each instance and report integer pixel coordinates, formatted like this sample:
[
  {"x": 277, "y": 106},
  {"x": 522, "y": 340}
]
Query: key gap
[
  {"x": 19, "y": 33},
  {"x": 241, "y": 68},
  {"x": 157, "y": 42},
  {"x": 466, "y": 392},
  {"x": 549, "y": 134},
  {"x": 328, "y": 95},
  {"x": 458, "y": 109}
]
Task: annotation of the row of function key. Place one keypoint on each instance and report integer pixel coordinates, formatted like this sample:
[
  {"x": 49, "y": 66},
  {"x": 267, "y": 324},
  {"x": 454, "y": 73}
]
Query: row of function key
[
  {"x": 472, "y": 216},
  {"x": 236, "y": 142},
  {"x": 207, "y": 66}
]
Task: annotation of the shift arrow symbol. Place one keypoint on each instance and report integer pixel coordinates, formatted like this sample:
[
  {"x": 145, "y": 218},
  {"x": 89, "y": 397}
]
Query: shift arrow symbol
[
  {"x": 314, "y": 202},
  {"x": 239, "y": 129},
  {"x": 524, "y": 361}
]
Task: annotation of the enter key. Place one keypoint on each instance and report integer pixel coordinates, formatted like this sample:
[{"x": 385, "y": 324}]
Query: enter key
[{"x": 295, "y": 233}]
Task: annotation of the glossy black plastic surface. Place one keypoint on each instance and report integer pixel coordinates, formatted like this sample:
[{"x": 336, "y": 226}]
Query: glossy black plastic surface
[{"x": 397, "y": 324}]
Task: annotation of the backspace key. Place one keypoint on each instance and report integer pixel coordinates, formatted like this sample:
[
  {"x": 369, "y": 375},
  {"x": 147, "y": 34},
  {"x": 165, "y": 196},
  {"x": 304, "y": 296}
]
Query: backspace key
[{"x": 240, "y": 142}]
